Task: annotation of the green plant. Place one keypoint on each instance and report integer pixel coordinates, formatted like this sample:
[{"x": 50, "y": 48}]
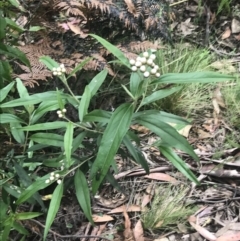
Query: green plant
[
  {"x": 168, "y": 208},
  {"x": 109, "y": 131}
]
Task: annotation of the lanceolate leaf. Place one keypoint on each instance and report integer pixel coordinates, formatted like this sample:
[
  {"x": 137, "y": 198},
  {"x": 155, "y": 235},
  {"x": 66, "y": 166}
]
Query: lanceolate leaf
[
  {"x": 178, "y": 163},
  {"x": 98, "y": 116},
  {"x": 53, "y": 208},
  {"x": 45, "y": 126},
  {"x": 195, "y": 77},
  {"x": 68, "y": 140},
  {"x": 160, "y": 94},
  {"x": 34, "y": 99},
  {"x": 84, "y": 103},
  {"x": 161, "y": 115},
  {"x": 51, "y": 139},
  {"x": 83, "y": 195},
  {"x": 168, "y": 134},
  {"x": 136, "y": 154},
  {"x": 17, "y": 133},
  {"x": 4, "y": 92},
  {"x": 97, "y": 81},
  {"x": 8, "y": 118},
  {"x": 113, "y": 49},
  {"x": 111, "y": 140}
]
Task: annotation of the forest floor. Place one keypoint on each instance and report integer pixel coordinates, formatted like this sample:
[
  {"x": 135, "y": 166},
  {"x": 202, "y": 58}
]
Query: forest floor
[{"x": 164, "y": 205}]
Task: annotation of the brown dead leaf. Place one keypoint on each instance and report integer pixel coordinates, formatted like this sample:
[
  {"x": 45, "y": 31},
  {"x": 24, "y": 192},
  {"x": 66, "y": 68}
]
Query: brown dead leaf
[
  {"x": 187, "y": 27},
  {"x": 77, "y": 30},
  {"x": 104, "y": 218},
  {"x": 138, "y": 231},
  {"x": 128, "y": 234},
  {"x": 203, "y": 134},
  {"x": 227, "y": 33},
  {"x": 140, "y": 128},
  {"x": 130, "y": 208},
  {"x": 161, "y": 177}
]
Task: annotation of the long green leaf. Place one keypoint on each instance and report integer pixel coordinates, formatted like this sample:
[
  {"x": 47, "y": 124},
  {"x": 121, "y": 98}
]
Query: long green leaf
[
  {"x": 4, "y": 92},
  {"x": 110, "y": 142},
  {"x": 135, "y": 153},
  {"x": 98, "y": 116},
  {"x": 53, "y": 208},
  {"x": 43, "y": 108},
  {"x": 195, "y": 77},
  {"x": 178, "y": 163},
  {"x": 17, "y": 133},
  {"x": 23, "y": 93},
  {"x": 84, "y": 103},
  {"x": 113, "y": 49},
  {"x": 35, "y": 187},
  {"x": 97, "y": 81},
  {"x": 3, "y": 25},
  {"x": 5, "y": 70},
  {"x": 45, "y": 126},
  {"x": 34, "y": 99},
  {"x": 50, "y": 139},
  {"x": 68, "y": 140},
  {"x": 160, "y": 94},
  {"x": 161, "y": 115},
  {"x": 79, "y": 67},
  {"x": 136, "y": 82},
  {"x": 168, "y": 134},
  {"x": 8, "y": 118},
  {"x": 83, "y": 195},
  {"x": 49, "y": 62},
  {"x": 27, "y": 215}
]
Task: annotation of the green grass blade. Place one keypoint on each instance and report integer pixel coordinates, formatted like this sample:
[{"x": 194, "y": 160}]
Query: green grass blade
[
  {"x": 53, "y": 208},
  {"x": 83, "y": 195},
  {"x": 111, "y": 140},
  {"x": 178, "y": 163}
]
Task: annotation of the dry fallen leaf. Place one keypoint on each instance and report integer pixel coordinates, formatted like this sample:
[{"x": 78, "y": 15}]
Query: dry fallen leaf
[
  {"x": 161, "y": 177},
  {"x": 227, "y": 33},
  {"x": 187, "y": 27},
  {"x": 232, "y": 237},
  {"x": 138, "y": 231},
  {"x": 104, "y": 218},
  {"x": 203, "y": 134},
  {"x": 130, "y": 208},
  {"x": 128, "y": 234}
]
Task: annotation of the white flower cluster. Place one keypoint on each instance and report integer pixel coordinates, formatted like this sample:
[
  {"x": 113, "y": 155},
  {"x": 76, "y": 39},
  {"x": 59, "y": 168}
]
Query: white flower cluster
[
  {"x": 54, "y": 177},
  {"x": 61, "y": 112},
  {"x": 59, "y": 70},
  {"x": 142, "y": 63}
]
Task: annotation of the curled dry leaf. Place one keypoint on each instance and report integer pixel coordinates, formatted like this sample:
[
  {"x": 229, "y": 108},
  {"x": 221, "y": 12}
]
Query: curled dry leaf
[
  {"x": 128, "y": 234},
  {"x": 161, "y": 177}
]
